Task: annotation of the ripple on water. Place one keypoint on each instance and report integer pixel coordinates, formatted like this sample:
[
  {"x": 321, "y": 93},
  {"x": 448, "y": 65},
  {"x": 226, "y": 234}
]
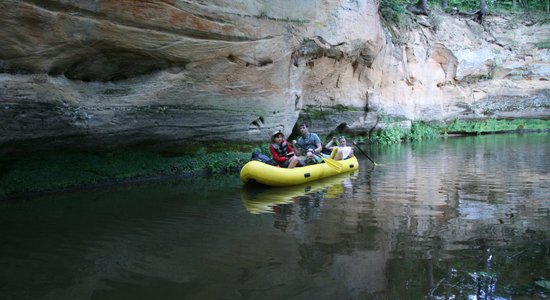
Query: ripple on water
[{"x": 430, "y": 213}]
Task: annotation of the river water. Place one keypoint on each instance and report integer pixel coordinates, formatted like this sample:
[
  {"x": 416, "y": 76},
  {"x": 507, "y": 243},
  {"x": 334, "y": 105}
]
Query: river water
[{"x": 461, "y": 218}]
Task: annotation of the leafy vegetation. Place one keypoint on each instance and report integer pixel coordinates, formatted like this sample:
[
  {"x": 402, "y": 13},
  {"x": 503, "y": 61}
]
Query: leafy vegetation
[
  {"x": 394, "y": 11},
  {"x": 53, "y": 171},
  {"x": 262, "y": 148},
  {"x": 394, "y": 133},
  {"x": 421, "y": 131},
  {"x": 544, "y": 44},
  {"x": 390, "y": 135},
  {"x": 493, "y": 125},
  {"x": 501, "y": 5}
]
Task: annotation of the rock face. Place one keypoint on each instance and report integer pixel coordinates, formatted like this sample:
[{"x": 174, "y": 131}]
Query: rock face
[{"x": 110, "y": 73}]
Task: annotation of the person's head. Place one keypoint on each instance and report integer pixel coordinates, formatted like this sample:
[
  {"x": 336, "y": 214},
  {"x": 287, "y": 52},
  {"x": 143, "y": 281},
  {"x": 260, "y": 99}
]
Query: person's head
[
  {"x": 342, "y": 140},
  {"x": 303, "y": 129},
  {"x": 277, "y": 137}
]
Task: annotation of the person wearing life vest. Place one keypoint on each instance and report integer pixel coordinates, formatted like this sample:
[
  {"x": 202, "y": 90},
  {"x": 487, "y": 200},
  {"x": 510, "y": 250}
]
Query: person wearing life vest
[
  {"x": 308, "y": 146},
  {"x": 342, "y": 151},
  {"x": 282, "y": 151}
]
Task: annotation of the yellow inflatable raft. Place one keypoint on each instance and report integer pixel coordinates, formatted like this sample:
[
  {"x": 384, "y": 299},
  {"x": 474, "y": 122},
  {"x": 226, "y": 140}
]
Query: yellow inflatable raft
[{"x": 255, "y": 171}]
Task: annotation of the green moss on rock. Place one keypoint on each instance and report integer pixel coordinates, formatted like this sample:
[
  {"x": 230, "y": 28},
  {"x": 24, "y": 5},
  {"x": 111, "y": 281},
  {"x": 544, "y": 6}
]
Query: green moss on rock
[
  {"x": 54, "y": 171},
  {"x": 421, "y": 130},
  {"x": 493, "y": 126}
]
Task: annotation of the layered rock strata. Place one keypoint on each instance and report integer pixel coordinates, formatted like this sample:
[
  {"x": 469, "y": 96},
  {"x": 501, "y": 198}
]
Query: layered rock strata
[{"x": 109, "y": 73}]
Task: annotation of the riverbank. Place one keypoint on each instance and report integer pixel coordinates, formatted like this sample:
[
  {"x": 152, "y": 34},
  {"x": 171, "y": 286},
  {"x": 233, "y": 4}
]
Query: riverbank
[{"x": 60, "y": 171}]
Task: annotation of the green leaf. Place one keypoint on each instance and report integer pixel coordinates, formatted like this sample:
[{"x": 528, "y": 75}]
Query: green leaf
[{"x": 544, "y": 284}]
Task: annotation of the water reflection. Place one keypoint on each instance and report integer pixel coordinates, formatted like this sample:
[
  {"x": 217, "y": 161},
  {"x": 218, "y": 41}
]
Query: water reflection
[
  {"x": 305, "y": 200},
  {"x": 262, "y": 199},
  {"x": 438, "y": 219},
  {"x": 462, "y": 213},
  {"x": 461, "y": 218}
]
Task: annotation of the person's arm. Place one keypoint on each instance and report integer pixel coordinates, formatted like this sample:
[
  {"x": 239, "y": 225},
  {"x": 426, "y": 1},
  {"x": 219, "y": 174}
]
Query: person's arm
[
  {"x": 297, "y": 148},
  {"x": 290, "y": 149},
  {"x": 319, "y": 147},
  {"x": 276, "y": 155},
  {"x": 317, "y": 144},
  {"x": 330, "y": 144}
]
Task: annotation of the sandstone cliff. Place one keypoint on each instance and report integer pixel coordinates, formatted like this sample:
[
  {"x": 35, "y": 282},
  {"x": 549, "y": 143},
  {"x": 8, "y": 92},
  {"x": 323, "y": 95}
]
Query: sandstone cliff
[{"x": 112, "y": 73}]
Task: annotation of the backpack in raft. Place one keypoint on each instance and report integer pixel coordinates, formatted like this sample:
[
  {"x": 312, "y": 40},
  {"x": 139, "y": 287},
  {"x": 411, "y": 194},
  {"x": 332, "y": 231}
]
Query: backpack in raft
[{"x": 263, "y": 158}]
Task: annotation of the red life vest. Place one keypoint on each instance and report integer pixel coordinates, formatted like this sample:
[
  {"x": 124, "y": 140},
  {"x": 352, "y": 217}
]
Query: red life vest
[{"x": 281, "y": 150}]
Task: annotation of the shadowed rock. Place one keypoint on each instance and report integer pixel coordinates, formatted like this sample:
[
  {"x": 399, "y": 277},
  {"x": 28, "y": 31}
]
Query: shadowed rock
[{"x": 108, "y": 73}]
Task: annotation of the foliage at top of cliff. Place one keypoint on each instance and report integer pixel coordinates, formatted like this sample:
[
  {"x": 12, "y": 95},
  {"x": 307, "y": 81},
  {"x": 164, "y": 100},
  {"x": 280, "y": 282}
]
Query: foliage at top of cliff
[{"x": 394, "y": 12}]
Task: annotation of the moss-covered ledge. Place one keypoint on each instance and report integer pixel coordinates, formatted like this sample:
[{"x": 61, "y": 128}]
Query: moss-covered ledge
[
  {"x": 321, "y": 112},
  {"x": 57, "y": 171},
  {"x": 496, "y": 126},
  {"x": 393, "y": 132}
]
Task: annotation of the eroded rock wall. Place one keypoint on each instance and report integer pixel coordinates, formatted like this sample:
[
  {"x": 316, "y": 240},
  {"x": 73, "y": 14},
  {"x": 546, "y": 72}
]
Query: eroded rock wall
[
  {"x": 111, "y": 73},
  {"x": 459, "y": 69},
  {"x": 445, "y": 67}
]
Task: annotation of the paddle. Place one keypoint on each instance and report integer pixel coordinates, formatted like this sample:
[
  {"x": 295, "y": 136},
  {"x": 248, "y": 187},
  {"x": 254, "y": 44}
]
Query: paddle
[
  {"x": 365, "y": 154},
  {"x": 329, "y": 161}
]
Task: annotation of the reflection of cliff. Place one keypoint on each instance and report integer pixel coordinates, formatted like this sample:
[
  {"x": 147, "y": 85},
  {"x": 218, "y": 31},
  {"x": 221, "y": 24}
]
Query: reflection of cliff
[
  {"x": 342, "y": 246},
  {"x": 308, "y": 207},
  {"x": 395, "y": 233},
  {"x": 336, "y": 242},
  {"x": 434, "y": 200},
  {"x": 461, "y": 190}
]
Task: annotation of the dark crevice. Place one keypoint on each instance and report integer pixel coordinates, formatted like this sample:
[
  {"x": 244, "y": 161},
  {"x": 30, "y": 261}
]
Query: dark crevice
[
  {"x": 256, "y": 124},
  {"x": 232, "y": 58},
  {"x": 114, "y": 65},
  {"x": 261, "y": 63}
]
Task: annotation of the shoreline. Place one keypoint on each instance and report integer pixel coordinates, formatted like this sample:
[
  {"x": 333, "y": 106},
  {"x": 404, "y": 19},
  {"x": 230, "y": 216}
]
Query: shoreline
[{"x": 49, "y": 173}]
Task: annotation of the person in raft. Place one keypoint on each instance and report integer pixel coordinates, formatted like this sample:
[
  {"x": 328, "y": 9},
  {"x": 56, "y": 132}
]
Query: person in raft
[
  {"x": 342, "y": 151},
  {"x": 308, "y": 146},
  {"x": 281, "y": 151}
]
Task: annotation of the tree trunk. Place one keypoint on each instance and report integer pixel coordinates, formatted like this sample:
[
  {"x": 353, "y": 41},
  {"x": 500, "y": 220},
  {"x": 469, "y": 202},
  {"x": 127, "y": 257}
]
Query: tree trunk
[
  {"x": 445, "y": 4},
  {"x": 421, "y": 8},
  {"x": 423, "y": 5},
  {"x": 482, "y": 11}
]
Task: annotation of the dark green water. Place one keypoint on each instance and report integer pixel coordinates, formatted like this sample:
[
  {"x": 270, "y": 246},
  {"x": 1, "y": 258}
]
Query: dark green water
[{"x": 444, "y": 219}]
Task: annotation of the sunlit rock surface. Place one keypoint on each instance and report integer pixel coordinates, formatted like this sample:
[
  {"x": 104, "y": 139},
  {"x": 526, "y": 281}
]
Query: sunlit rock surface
[{"x": 97, "y": 74}]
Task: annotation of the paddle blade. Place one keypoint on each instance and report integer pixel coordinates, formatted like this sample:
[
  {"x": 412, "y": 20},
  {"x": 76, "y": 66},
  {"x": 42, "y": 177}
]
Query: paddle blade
[{"x": 333, "y": 164}]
